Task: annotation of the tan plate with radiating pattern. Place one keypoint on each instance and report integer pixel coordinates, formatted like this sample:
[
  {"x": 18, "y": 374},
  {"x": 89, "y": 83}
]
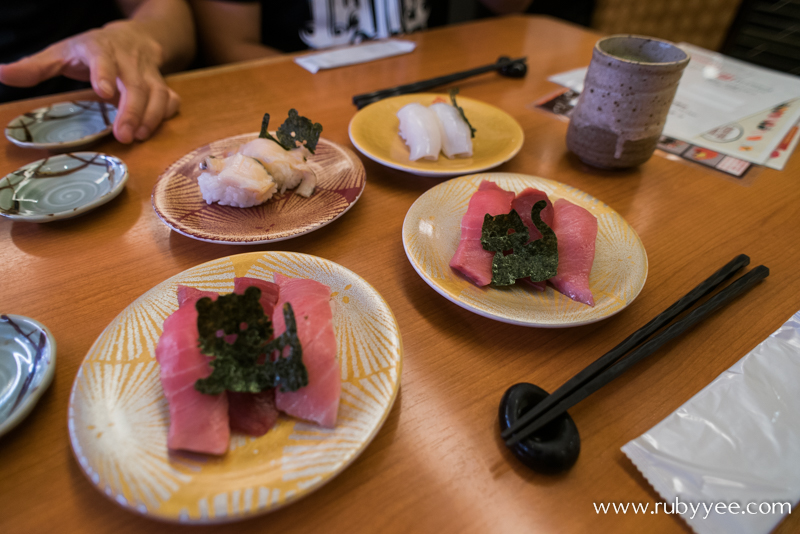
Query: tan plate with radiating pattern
[
  {"x": 374, "y": 132},
  {"x": 118, "y": 416},
  {"x": 432, "y": 230},
  {"x": 178, "y": 202}
]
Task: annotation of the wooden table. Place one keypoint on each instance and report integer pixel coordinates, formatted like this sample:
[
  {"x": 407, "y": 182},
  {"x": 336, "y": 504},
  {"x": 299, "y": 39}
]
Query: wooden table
[{"x": 437, "y": 465}]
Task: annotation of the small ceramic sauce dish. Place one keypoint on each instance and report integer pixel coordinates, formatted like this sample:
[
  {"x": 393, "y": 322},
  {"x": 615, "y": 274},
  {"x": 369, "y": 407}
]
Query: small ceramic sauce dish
[
  {"x": 62, "y": 127},
  {"x": 61, "y": 186},
  {"x": 27, "y": 366}
]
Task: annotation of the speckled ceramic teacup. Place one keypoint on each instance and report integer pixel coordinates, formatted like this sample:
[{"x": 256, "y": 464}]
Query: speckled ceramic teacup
[{"x": 626, "y": 96}]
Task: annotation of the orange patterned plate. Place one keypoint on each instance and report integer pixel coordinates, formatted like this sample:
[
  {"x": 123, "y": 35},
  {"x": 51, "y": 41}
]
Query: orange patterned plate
[{"x": 178, "y": 202}]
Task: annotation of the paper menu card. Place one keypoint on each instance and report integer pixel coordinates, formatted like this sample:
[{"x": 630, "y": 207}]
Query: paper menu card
[
  {"x": 781, "y": 154},
  {"x": 755, "y": 138},
  {"x": 716, "y": 89}
]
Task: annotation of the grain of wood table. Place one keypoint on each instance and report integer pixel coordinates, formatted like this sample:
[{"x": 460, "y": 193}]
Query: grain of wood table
[{"x": 438, "y": 464}]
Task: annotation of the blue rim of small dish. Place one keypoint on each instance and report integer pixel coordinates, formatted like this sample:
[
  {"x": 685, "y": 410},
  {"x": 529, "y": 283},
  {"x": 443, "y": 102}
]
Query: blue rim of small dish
[
  {"x": 63, "y": 126},
  {"x": 61, "y": 186},
  {"x": 32, "y": 348}
]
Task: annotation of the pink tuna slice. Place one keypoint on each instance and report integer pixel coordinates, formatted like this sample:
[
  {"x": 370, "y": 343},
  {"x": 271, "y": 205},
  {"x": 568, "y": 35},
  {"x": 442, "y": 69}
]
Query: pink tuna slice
[
  {"x": 470, "y": 259},
  {"x": 198, "y": 422},
  {"x": 523, "y": 203},
  {"x": 319, "y": 400},
  {"x": 252, "y": 413},
  {"x": 269, "y": 291},
  {"x": 576, "y": 230},
  {"x": 190, "y": 295}
]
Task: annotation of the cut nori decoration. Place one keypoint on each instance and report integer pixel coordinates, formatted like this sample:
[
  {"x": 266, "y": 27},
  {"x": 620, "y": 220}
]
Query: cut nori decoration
[
  {"x": 295, "y": 131},
  {"x": 453, "y": 93},
  {"x": 537, "y": 259},
  {"x": 234, "y": 330}
]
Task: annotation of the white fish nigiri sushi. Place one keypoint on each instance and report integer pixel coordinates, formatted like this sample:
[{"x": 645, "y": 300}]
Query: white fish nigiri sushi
[
  {"x": 419, "y": 128},
  {"x": 288, "y": 167},
  {"x": 455, "y": 132},
  {"x": 242, "y": 182}
]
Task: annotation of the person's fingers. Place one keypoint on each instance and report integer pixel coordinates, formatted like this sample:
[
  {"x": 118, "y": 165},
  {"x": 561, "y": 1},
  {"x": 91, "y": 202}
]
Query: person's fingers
[
  {"x": 36, "y": 68},
  {"x": 102, "y": 66},
  {"x": 132, "y": 104},
  {"x": 157, "y": 101},
  {"x": 173, "y": 105}
]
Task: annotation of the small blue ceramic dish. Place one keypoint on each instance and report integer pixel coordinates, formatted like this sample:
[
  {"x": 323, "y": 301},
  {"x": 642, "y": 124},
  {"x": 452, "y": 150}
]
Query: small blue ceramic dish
[
  {"x": 27, "y": 366},
  {"x": 61, "y": 186},
  {"x": 62, "y": 127}
]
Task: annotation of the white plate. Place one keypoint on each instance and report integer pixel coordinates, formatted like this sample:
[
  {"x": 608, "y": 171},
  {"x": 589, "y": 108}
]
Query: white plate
[
  {"x": 63, "y": 126},
  {"x": 27, "y": 366},
  {"x": 118, "y": 416},
  {"x": 432, "y": 230},
  {"x": 61, "y": 186}
]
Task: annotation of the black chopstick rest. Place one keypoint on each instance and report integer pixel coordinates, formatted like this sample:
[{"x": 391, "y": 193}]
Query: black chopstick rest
[
  {"x": 555, "y": 447},
  {"x": 531, "y": 419},
  {"x": 637, "y": 338}
]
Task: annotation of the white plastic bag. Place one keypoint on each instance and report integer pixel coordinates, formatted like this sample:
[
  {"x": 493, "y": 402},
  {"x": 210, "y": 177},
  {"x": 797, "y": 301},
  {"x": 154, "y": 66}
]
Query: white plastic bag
[{"x": 732, "y": 452}]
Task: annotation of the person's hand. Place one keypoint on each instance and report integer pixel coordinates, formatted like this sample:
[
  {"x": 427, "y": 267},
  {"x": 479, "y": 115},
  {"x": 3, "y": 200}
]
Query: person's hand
[{"x": 119, "y": 61}]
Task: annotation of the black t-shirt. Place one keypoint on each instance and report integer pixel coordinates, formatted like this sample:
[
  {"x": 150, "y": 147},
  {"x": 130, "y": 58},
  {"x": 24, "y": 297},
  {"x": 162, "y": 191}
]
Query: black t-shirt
[
  {"x": 28, "y": 26},
  {"x": 577, "y": 11},
  {"x": 295, "y": 25}
]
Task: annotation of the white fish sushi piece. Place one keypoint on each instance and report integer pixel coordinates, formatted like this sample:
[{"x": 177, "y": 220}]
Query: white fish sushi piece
[
  {"x": 419, "y": 128},
  {"x": 243, "y": 182},
  {"x": 455, "y": 132},
  {"x": 287, "y": 167}
]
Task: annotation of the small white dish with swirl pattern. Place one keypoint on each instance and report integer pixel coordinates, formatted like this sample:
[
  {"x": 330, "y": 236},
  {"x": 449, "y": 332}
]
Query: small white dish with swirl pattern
[
  {"x": 61, "y": 186},
  {"x": 27, "y": 366},
  {"x": 63, "y": 126}
]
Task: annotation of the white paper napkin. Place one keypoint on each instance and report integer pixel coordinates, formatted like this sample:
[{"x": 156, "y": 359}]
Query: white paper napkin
[
  {"x": 731, "y": 454},
  {"x": 351, "y": 55}
]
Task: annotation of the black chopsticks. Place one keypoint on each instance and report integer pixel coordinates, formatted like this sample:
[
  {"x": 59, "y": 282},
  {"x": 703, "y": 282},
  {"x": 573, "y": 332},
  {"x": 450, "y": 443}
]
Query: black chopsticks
[
  {"x": 423, "y": 85},
  {"x": 618, "y": 360}
]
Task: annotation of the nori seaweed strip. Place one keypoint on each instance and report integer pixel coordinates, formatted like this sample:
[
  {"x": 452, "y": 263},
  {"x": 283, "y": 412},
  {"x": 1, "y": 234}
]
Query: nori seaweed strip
[
  {"x": 234, "y": 330},
  {"x": 295, "y": 131},
  {"x": 290, "y": 373},
  {"x": 453, "y": 93},
  {"x": 537, "y": 260},
  {"x": 264, "y": 133},
  {"x": 299, "y": 131}
]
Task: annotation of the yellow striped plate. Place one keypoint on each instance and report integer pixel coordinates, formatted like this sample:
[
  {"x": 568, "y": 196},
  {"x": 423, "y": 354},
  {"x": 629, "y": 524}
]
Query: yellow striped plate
[
  {"x": 432, "y": 230},
  {"x": 118, "y": 416}
]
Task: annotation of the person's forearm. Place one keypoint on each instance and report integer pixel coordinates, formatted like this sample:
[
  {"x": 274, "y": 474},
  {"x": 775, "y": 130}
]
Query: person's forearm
[
  {"x": 234, "y": 52},
  {"x": 169, "y": 23}
]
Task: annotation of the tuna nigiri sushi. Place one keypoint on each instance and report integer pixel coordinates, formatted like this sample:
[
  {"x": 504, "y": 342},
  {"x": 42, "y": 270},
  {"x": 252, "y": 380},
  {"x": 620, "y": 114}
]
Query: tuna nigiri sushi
[
  {"x": 576, "y": 230},
  {"x": 202, "y": 423},
  {"x": 522, "y": 204},
  {"x": 470, "y": 258},
  {"x": 198, "y": 422},
  {"x": 319, "y": 400},
  {"x": 419, "y": 128}
]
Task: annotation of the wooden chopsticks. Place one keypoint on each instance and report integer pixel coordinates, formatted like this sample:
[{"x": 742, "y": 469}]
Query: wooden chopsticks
[
  {"x": 618, "y": 360},
  {"x": 368, "y": 98}
]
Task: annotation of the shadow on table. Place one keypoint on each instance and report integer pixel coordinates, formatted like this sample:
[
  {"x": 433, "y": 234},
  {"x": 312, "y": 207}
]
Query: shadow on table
[{"x": 94, "y": 229}]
